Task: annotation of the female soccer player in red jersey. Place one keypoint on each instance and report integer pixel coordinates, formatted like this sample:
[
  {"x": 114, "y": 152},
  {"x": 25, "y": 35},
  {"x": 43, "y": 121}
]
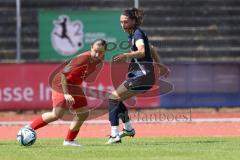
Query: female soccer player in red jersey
[{"x": 67, "y": 92}]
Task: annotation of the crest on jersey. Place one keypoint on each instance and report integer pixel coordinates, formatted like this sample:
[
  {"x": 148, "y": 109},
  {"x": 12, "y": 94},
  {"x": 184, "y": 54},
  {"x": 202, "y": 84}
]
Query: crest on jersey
[{"x": 67, "y": 36}]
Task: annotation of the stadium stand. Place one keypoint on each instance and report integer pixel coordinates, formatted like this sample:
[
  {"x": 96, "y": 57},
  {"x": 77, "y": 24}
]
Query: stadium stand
[{"x": 181, "y": 29}]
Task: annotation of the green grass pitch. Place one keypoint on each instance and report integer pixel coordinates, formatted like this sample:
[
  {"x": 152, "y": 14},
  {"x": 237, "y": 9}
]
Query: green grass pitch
[{"x": 179, "y": 148}]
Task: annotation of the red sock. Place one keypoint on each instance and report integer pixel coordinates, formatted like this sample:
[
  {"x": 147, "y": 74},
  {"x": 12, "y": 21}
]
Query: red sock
[
  {"x": 38, "y": 123},
  {"x": 71, "y": 135}
]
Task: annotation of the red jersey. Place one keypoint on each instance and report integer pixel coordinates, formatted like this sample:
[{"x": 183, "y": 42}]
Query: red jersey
[
  {"x": 76, "y": 71},
  {"x": 79, "y": 68}
]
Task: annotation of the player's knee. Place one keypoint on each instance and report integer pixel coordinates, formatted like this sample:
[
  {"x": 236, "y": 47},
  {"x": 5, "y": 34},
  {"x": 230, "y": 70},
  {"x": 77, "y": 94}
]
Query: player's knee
[
  {"x": 57, "y": 115},
  {"x": 113, "y": 96},
  {"x": 83, "y": 115}
]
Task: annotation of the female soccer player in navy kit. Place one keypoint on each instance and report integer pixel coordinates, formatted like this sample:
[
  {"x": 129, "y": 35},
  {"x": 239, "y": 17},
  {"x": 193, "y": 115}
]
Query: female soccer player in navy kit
[{"x": 141, "y": 75}]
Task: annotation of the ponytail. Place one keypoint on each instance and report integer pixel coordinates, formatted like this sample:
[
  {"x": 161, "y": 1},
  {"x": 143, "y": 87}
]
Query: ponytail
[{"x": 134, "y": 14}]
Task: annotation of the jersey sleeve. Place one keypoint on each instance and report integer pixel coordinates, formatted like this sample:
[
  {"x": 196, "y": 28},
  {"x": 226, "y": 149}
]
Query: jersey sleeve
[
  {"x": 73, "y": 64},
  {"x": 138, "y": 35}
]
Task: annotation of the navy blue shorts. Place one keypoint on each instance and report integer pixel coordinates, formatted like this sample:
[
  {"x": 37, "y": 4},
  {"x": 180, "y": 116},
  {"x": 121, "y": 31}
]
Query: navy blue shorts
[{"x": 139, "y": 82}]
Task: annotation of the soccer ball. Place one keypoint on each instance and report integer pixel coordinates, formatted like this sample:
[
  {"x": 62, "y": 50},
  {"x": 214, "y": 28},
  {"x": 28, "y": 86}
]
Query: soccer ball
[{"x": 26, "y": 136}]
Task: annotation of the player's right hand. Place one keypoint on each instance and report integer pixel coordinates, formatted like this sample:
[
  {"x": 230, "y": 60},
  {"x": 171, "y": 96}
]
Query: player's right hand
[
  {"x": 167, "y": 72},
  {"x": 164, "y": 70},
  {"x": 69, "y": 99}
]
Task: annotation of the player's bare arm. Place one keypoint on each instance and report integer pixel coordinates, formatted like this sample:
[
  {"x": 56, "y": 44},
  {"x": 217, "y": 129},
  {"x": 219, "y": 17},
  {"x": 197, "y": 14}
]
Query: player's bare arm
[
  {"x": 69, "y": 98},
  {"x": 140, "y": 53},
  {"x": 164, "y": 70}
]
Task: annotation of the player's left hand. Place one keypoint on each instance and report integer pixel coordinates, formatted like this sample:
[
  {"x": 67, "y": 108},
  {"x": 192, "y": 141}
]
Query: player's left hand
[
  {"x": 164, "y": 71},
  {"x": 120, "y": 58},
  {"x": 69, "y": 99}
]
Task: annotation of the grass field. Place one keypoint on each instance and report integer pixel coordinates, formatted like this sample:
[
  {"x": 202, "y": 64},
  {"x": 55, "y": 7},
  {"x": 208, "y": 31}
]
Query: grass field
[{"x": 179, "y": 148}]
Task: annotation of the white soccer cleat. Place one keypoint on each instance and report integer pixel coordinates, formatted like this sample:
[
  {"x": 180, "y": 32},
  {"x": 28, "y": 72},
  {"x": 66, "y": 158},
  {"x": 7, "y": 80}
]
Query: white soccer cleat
[
  {"x": 126, "y": 133},
  {"x": 113, "y": 140},
  {"x": 71, "y": 143}
]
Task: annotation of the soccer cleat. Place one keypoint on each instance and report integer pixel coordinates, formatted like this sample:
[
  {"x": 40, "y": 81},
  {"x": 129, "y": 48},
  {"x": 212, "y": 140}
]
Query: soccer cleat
[
  {"x": 71, "y": 143},
  {"x": 113, "y": 140},
  {"x": 125, "y": 133}
]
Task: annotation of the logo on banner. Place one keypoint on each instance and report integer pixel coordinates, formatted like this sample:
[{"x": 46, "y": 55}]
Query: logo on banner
[{"x": 67, "y": 36}]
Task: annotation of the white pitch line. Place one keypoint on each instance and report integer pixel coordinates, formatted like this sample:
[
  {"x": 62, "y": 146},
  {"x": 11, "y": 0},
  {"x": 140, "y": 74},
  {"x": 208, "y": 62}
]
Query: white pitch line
[
  {"x": 199, "y": 120},
  {"x": 95, "y": 122}
]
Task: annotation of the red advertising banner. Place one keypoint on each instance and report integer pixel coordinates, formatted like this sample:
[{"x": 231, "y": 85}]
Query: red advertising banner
[{"x": 26, "y": 87}]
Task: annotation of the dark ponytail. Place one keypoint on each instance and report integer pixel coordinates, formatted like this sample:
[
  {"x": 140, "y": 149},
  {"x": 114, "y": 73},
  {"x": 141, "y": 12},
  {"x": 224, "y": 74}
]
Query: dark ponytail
[{"x": 134, "y": 14}]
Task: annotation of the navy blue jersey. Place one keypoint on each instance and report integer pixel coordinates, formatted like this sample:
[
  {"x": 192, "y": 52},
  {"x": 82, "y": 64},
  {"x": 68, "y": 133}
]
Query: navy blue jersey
[{"x": 145, "y": 61}]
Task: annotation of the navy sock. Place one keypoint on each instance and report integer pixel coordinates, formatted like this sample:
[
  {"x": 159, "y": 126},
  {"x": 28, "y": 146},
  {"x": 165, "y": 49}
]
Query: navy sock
[
  {"x": 123, "y": 112},
  {"x": 113, "y": 111}
]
